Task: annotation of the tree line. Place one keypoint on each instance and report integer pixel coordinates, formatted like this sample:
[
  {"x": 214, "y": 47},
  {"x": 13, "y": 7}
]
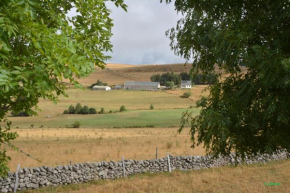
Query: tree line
[
  {"x": 78, "y": 109},
  {"x": 171, "y": 77}
]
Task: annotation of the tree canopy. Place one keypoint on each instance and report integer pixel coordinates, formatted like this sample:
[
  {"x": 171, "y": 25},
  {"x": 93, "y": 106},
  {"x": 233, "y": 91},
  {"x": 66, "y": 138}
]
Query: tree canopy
[
  {"x": 249, "y": 110},
  {"x": 40, "y": 46}
]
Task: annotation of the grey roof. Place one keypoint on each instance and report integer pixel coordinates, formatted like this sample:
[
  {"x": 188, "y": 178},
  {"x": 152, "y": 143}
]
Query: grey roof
[
  {"x": 133, "y": 83},
  {"x": 186, "y": 82}
]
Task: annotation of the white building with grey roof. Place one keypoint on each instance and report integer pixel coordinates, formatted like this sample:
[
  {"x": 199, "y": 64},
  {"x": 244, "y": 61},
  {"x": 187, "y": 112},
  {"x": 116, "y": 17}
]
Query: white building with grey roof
[
  {"x": 132, "y": 85},
  {"x": 185, "y": 84}
]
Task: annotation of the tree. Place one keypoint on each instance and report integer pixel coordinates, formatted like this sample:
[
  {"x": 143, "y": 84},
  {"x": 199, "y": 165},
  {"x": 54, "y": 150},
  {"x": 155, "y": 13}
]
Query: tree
[
  {"x": 40, "y": 46},
  {"x": 123, "y": 108},
  {"x": 151, "y": 107},
  {"x": 65, "y": 112},
  {"x": 85, "y": 110},
  {"x": 92, "y": 111},
  {"x": 249, "y": 110},
  {"x": 79, "y": 108},
  {"x": 169, "y": 84},
  {"x": 99, "y": 83},
  {"x": 71, "y": 110}
]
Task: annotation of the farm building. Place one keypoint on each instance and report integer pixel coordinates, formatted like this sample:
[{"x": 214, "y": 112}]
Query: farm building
[
  {"x": 118, "y": 87},
  {"x": 130, "y": 85},
  {"x": 101, "y": 88},
  {"x": 185, "y": 84}
]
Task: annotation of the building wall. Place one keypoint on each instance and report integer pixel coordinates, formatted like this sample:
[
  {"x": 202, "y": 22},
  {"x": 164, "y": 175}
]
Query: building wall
[
  {"x": 137, "y": 87},
  {"x": 185, "y": 86}
]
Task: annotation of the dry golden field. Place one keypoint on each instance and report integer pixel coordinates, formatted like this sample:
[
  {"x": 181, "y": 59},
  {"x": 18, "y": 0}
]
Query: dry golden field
[
  {"x": 119, "y": 73},
  {"x": 60, "y": 146}
]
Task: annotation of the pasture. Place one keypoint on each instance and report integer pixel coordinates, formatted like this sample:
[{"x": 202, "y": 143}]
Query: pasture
[
  {"x": 168, "y": 108},
  {"x": 59, "y": 146}
]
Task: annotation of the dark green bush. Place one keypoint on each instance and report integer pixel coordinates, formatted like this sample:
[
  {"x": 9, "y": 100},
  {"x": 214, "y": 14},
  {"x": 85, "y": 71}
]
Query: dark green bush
[
  {"x": 186, "y": 95},
  {"x": 123, "y": 108},
  {"x": 76, "y": 124},
  {"x": 85, "y": 110},
  {"x": 92, "y": 111}
]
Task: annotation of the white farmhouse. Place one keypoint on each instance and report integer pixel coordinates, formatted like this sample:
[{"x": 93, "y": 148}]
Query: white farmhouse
[
  {"x": 101, "y": 88},
  {"x": 185, "y": 84}
]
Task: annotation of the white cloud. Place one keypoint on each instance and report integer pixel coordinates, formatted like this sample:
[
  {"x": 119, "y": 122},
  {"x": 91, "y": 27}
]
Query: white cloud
[{"x": 139, "y": 34}]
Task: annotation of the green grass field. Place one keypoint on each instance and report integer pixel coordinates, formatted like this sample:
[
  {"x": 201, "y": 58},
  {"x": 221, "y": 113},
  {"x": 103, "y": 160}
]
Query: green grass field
[
  {"x": 137, "y": 118},
  {"x": 167, "y": 112}
]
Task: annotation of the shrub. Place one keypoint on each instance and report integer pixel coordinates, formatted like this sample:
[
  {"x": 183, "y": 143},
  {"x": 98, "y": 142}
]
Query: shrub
[
  {"x": 123, "y": 108},
  {"x": 76, "y": 124},
  {"x": 20, "y": 114},
  {"x": 110, "y": 111},
  {"x": 151, "y": 107},
  {"x": 92, "y": 111},
  {"x": 102, "y": 111},
  {"x": 65, "y": 112},
  {"x": 186, "y": 95}
]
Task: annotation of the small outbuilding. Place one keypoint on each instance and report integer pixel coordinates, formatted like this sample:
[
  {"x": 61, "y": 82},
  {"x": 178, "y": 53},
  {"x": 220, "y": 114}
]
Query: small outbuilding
[
  {"x": 185, "y": 84},
  {"x": 101, "y": 88}
]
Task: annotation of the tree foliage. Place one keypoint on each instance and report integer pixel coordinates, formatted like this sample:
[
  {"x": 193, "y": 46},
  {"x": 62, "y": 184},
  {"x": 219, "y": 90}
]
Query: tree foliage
[
  {"x": 123, "y": 108},
  {"x": 99, "y": 83},
  {"x": 176, "y": 78},
  {"x": 169, "y": 84},
  {"x": 249, "y": 110},
  {"x": 40, "y": 46},
  {"x": 78, "y": 108}
]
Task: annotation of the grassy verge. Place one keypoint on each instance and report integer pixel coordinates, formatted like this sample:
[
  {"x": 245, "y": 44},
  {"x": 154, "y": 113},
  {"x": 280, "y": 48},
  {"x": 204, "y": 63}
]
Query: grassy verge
[{"x": 253, "y": 178}]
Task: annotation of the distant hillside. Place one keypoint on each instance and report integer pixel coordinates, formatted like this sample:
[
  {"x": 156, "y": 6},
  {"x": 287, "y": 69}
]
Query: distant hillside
[{"x": 119, "y": 73}]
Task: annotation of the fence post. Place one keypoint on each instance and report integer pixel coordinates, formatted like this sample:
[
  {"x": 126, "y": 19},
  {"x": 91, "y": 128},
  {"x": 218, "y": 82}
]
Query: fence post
[
  {"x": 69, "y": 162},
  {"x": 123, "y": 162},
  {"x": 169, "y": 166},
  {"x": 156, "y": 152},
  {"x": 16, "y": 178}
]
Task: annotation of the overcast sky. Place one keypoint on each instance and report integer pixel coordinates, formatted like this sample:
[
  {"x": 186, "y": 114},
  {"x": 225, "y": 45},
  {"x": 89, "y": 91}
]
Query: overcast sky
[{"x": 139, "y": 34}]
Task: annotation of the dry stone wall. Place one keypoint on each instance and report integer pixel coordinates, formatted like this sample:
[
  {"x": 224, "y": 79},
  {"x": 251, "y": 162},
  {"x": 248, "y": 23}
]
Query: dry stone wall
[{"x": 33, "y": 178}]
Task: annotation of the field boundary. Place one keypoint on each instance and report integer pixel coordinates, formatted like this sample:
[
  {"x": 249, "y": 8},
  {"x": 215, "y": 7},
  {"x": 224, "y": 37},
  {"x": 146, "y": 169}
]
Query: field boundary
[{"x": 34, "y": 178}]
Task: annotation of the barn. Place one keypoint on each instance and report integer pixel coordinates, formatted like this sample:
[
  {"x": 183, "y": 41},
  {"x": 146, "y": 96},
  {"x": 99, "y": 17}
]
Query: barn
[
  {"x": 131, "y": 85},
  {"x": 101, "y": 88}
]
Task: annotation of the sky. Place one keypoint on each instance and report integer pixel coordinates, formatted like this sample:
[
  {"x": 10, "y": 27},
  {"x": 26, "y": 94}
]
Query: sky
[{"x": 139, "y": 34}]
